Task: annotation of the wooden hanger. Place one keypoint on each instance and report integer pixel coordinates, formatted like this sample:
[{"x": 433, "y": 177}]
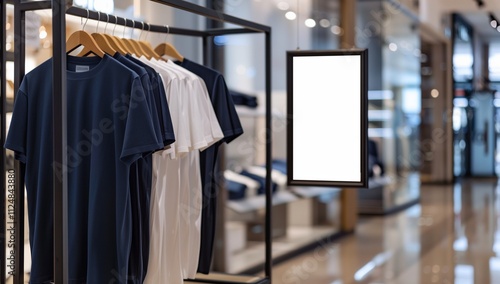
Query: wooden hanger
[
  {"x": 147, "y": 48},
  {"x": 101, "y": 41},
  {"x": 129, "y": 43},
  {"x": 168, "y": 49},
  {"x": 120, "y": 41},
  {"x": 139, "y": 46},
  {"x": 112, "y": 41},
  {"x": 82, "y": 38}
]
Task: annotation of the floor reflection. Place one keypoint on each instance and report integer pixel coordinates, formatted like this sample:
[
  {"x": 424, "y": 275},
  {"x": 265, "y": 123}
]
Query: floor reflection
[{"x": 452, "y": 236}]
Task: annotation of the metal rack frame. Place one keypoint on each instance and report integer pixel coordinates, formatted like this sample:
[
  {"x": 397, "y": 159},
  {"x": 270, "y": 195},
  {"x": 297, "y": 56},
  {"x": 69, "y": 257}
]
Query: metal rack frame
[{"x": 59, "y": 10}]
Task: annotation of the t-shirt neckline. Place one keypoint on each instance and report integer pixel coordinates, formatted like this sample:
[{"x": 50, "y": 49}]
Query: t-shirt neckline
[{"x": 99, "y": 63}]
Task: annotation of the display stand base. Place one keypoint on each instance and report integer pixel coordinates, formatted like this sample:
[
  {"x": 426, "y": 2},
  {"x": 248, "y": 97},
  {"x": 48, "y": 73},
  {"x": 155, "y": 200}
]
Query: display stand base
[{"x": 227, "y": 278}]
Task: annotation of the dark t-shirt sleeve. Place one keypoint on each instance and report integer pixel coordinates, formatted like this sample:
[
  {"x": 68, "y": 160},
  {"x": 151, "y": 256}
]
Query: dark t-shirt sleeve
[
  {"x": 164, "y": 110},
  {"x": 139, "y": 137},
  {"x": 225, "y": 111},
  {"x": 17, "y": 137},
  {"x": 146, "y": 84}
]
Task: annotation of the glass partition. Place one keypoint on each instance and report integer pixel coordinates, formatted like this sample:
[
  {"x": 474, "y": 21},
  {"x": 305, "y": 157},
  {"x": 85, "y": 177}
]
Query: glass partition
[{"x": 394, "y": 108}]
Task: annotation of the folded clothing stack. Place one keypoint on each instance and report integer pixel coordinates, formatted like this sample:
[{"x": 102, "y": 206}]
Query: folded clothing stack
[{"x": 244, "y": 99}]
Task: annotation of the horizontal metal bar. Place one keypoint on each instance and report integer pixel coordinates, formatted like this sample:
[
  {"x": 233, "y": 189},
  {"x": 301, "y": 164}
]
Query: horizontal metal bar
[
  {"x": 84, "y": 13},
  {"x": 214, "y": 15},
  {"x": 9, "y": 56},
  {"x": 220, "y": 32},
  {"x": 34, "y": 5}
]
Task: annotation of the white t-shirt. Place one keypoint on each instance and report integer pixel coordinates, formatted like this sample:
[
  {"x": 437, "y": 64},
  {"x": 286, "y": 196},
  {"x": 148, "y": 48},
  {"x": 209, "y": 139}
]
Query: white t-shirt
[
  {"x": 180, "y": 181},
  {"x": 164, "y": 252}
]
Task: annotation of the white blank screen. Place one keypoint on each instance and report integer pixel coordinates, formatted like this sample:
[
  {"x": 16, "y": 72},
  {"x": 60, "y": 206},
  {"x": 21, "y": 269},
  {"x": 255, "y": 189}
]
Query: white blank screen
[{"x": 327, "y": 118}]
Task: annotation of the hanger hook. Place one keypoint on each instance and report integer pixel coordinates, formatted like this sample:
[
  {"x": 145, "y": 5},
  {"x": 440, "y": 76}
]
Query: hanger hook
[
  {"x": 124, "y": 27},
  {"x": 168, "y": 32},
  {"x": 142, "y": 30},
  {"x": 149, "y": 30},
  {"x": 86, "y": 20},
  {"x": 116, "y": 23},
  {"x": 107, "y": 22},
  {"x": 133, "y": 27},
  {"x": 98, "y": 20}
]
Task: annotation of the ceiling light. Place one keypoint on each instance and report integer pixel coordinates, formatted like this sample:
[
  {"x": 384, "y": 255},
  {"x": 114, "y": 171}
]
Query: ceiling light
[
  {"x": 393, "y": 46},
  {"x": 494, "y": 23},
  {"x": 290, "y": 15},
  {"x": 324, "y": 23},
  {"x": 336, "y": 30},
  {"x": 42, "y": 32},
  {"x": 283, "y": 6},
  {"x": 310, "y": 23}
]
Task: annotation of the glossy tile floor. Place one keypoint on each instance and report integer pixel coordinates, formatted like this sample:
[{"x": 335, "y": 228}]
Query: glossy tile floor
[{"x": 452, "y": 236}]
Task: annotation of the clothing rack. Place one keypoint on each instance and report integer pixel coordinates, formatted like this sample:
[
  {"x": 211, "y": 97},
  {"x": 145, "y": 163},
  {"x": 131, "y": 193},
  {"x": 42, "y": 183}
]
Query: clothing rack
[{"x": 59, "y": 10}]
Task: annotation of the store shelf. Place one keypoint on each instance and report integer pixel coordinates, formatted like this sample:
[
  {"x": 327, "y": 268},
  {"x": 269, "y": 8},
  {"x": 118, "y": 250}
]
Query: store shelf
[
  {"x": 254, "y": 203},
  {"x": 297, "y": 239},
  {"x": 257, "y": 112},
  {"x": 309, "y": 192}
]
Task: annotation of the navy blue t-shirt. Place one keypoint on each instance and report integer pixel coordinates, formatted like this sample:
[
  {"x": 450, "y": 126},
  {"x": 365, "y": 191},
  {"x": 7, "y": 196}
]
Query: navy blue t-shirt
[
  {"x": 231, "y": 127},
  {"x": 160, "y": 98},
  {"x": 109, "y": 128},
  {"x": 140, "y": 181}
]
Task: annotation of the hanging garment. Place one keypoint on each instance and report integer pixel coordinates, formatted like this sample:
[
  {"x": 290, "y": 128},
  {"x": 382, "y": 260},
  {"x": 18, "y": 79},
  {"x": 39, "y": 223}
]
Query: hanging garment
[
  {"x": 231, "y": 127},
  {"x": 141, "y": 176},
  {"x": 109, "y": 128},
  {"x": 197, "y": 125}
]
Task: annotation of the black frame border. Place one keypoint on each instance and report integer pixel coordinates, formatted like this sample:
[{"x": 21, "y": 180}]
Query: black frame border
[{"x": 363, "y": 53}]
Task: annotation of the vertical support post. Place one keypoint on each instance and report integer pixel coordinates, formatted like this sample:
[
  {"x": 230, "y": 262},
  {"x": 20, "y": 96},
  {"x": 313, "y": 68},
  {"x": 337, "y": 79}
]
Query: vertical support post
[
  {"x": 18, "y": 223},
  {"x": 60, "y": 179},
  {"x": 348, "y": 23},
  {"x": 206, "y": 50},
  {"x": 349, "y": 197},
  {"x": 269, "y": 194},
  {"x": 3, "y": 213}
]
